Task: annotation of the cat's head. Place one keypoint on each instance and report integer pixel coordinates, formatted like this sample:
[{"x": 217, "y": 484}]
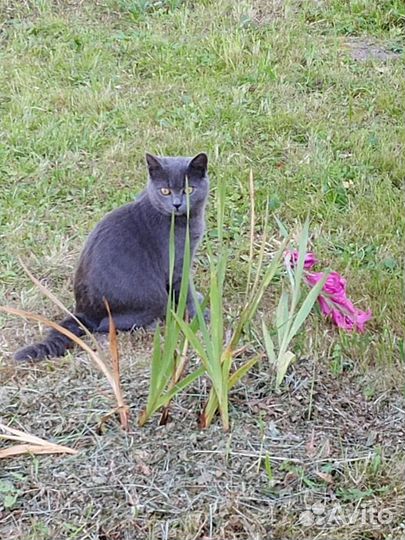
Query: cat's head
[{"x": 171, "y": 177}]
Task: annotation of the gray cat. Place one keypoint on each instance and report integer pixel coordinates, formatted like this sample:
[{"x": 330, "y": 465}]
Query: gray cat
[{"x": 126, "y": 257}]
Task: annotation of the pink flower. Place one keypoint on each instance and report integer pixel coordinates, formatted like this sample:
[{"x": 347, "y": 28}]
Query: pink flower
[
  {"x": 343, "y": 313},
  {"x": 351, "y": 322},
  {"x": 325, "y": 307},
  {"x": 309, "y": 262},
  {"x": 335, "y": 284},
  {"x": 333, "y": 300}
]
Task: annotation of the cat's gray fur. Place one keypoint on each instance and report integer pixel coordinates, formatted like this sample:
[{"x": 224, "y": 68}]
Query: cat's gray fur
[{"x": 126, "y": 257}]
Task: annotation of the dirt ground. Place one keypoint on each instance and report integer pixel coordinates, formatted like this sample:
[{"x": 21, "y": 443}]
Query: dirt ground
[{"x": 322, "y": 459}]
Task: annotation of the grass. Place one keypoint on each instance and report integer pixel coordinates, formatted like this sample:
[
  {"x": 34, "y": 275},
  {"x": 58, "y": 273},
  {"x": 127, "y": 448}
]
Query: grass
[
  {"x": 85, "y": 89},
  {"x": 82, "y": 101}
]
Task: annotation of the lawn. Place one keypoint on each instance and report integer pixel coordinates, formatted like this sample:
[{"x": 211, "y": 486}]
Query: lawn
[{"x": 310, "y": 96}]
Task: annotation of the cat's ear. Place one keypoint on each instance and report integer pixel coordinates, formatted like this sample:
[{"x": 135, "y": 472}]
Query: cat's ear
[
  {"x": 198, "y": 165},
  {"x": 153, "y": 164}
]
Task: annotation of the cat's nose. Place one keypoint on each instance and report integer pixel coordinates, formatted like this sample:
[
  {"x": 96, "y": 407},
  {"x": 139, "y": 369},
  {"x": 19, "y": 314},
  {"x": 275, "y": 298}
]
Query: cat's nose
[{"x": 177, "y": 205}]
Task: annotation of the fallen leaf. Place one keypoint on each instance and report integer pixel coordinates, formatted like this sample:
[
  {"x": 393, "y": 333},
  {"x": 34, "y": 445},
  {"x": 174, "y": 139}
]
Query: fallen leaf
[{"x": 20, "y": 449}]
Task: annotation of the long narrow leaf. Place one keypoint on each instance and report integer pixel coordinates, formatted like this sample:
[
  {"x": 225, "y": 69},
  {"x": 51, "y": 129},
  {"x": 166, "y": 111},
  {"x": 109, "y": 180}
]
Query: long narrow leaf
[
  {"x": 212, "y": 403},
  {"x": 217, "y": 328},
  {"x": 156, "y": 364},
  {"x": 295, "y": 279},
  {"x": 251, "y": 308},
  {"x": 241, "y": 371},
  {"x": 162, "y": 364},
  {"x": 282, "y": 228},
  {"x": 185, "y": 279},
  {"x": 172, "y": 260},
  {"x": 202, "y": 326},
  {"x": 180, "y": 364},
  {"x": 210, "y": 409},
  {"x": 299, "y": 271},
  {"x": 268, "y": 343},
  {"x": 283, "y": 362},
  {"x": 19, "y": 449},
  {"x": 32, "y": 444},
  {"x": 21, "y": 436},
  {"x": 179, "y": 387},
  {"x": 185, "y": 328},
  {"x": 306, "y": 307},
  {"x": 252, "y": 230},
  {"x": 123, "y": 410},
  {"x": 155, "y": 379},
  {"x": 226, "y": 361},
  {"x": 261, "y": 254},
  {"x": 282, "y": 316},
  {"x": 212, "y": 364},
  {"x": 164, "y": 368}
]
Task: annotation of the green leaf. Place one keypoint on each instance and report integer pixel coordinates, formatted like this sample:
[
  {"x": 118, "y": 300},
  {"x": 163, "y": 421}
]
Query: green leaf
[
  {"x": 221, "y": 193},
  {"x": 269, "y": 344},
  {"x": 193, "y": 339},
  {"x": 212, "y": 404},
  {"x": 299, "y": 270},
  {"x": 250, "y": 308},
  {"x": 156, "y": 364},
  {"x": 211, "y": 407},
  {"x": 282, "y": 317},
  {"x": 241, "y": 371},
  {"x": 217, "y": 324},
  {"x": 172, "y": 259},
  {"x": 267, "y": 466},
  {"x": 202, "y": 326},
  {"x": 306, "y": 307},
  {"x": 282, "y": 228},
  {"x": 282, "y": 365},
  {"x": 179, "y": 387},
  {"x": 185, "y": 278},
  {"x": 261, "y": 256}
]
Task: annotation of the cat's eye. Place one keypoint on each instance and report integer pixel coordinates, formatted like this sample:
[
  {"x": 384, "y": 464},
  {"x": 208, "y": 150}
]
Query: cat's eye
[
  {"x": 165, "y": 191},
  {"x": 188, "y": 190}
]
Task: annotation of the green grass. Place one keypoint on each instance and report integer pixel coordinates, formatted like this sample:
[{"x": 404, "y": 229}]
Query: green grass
[{"x": 84, "y": 92}]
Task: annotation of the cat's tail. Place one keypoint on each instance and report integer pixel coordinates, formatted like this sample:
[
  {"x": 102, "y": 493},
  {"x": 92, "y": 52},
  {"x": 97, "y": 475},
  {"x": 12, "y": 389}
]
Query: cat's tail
[{"x": 56, "y": 343}]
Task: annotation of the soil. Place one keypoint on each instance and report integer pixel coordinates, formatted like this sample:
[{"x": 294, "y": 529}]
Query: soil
[{"x": 296, "y": 464}]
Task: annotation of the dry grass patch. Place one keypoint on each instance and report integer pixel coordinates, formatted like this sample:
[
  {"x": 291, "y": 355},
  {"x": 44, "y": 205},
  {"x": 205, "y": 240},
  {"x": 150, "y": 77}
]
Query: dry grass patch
[{"x": 320, "y": 441}]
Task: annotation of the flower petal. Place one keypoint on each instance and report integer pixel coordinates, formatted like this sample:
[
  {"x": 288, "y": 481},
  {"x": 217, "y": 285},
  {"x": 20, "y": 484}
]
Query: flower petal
[
  {"x": 324, "y": 305},
  {"x": 361, "y": 318},
  {"x": 341, "y": 320},
  {"x": 351, "y": 322},
  {"x": 335, "y": 284},
  {"x": 309, "y": 261},
  {"x": 344, "y": 304},
  {"x": 333, "y": 301},
  {"x": 312, "y": 278}
]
